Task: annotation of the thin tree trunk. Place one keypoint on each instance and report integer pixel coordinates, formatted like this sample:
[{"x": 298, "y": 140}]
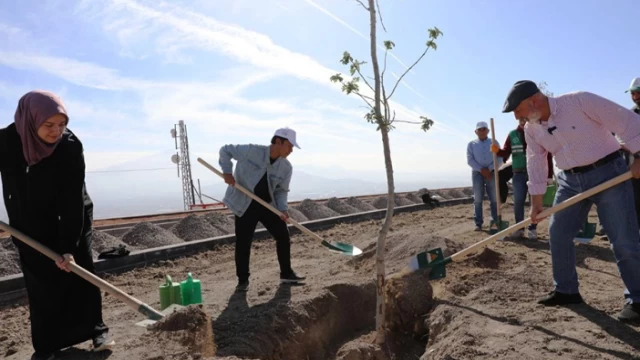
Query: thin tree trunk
[{"x": 382, "y": 235}]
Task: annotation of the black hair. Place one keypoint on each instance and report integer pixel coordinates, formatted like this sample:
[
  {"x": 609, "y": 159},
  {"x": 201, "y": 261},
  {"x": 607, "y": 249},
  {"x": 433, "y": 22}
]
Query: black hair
[{"x": 282, "y": 140}]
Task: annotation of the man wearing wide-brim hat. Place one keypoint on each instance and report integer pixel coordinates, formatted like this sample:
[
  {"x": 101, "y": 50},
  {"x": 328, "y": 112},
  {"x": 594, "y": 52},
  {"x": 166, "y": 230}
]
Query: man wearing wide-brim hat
[{"x": 577, "y": 129}]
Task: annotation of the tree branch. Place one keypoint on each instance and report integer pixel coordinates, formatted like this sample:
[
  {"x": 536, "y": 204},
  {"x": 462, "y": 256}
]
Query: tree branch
[
  {"x": 409, "y": 69},
  {"x": 363, "y": 5},
  {"x": 380, "y": 15},
  {"x": 365, "y": 98},
  {"x": 364, "y": 79}
]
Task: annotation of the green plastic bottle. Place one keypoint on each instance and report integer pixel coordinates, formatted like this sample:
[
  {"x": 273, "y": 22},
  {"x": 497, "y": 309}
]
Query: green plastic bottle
[
  {"x": 191, "y": 291},
  {"x": 169, "y": 293}
]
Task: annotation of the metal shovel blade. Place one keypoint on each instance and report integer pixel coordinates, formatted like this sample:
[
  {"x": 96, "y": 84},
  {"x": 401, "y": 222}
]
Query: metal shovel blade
[
  {"x": 341, "y": 248},
  {"x": 497, "y": 226},
  {"x": 431, "y": 259},
  {"x": 168, "y": 311}
]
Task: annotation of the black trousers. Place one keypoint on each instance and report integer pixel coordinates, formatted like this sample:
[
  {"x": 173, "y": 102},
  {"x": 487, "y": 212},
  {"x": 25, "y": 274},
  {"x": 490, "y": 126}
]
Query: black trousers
[{"x": 246, "y": 228}]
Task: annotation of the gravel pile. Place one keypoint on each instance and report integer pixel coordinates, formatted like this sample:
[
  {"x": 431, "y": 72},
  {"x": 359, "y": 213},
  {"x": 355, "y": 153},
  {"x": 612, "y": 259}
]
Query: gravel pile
[
  {"x": 195, "y": 227},
  {"x": 146, "y": 235},
  {"x": 9, "y": 259},
  {"x": 359, "y": 204},
  {"x": 296, "y": 215},
  {"x": 380, "y": 202},
  {"x": 414, "y": 197},
  {"x": 456, "y": 194},
  {"x": 220, "y": 221},
  {"x": 315, "y": 211},
  {"x": 402, "y": 201},
  {"x": 468, "y": 191},
  {"x": 444, "y": 194},
  {"x": 101, "y": 241},
  {"x": 341, "y": 207}
]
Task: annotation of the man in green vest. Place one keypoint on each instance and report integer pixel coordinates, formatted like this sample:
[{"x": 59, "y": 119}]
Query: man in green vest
[{"x": 516, "y": 147}]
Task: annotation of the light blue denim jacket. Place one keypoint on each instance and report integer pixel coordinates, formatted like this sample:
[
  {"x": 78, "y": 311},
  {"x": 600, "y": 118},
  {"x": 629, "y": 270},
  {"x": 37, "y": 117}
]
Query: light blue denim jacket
[{"x": 252, "y": 162}]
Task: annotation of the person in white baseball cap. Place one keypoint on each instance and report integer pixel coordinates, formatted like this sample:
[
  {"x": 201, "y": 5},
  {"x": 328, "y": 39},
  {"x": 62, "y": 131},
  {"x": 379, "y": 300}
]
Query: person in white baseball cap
[
  {"x": 480, "y": 159},
  {"x": 266, "y": 171}
]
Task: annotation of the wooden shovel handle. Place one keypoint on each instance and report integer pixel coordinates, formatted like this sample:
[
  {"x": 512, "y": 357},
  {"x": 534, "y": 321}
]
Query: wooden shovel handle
[
  {"x": 473, "y": 249},
  {"x": 262, "y": 202},
  {"x": 80, "y": 271},
  {"x": 496, "y": 181}
]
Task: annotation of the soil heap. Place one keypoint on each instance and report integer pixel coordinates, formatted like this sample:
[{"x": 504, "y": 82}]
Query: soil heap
[
  {"x": 341, "y": 207},
  {"x": 146, "y": 235},
  {"x": 315, "y": 211},
  {"x": 194, "y": 227}
]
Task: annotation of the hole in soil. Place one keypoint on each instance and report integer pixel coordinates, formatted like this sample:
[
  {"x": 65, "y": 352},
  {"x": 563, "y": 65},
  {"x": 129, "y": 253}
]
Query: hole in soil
[{"x": 338, "y": 324}]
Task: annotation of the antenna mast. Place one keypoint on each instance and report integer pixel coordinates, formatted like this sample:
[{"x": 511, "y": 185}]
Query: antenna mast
[{"x": 182, "y": 160}]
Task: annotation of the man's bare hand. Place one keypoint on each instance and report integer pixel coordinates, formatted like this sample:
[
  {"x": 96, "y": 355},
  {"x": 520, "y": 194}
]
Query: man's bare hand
[
  {"x": 536, "y": 209},
  {"x": 229, "y": 179},
  {"x": 486, "y": 173},
  {"x": 285, "y": 216}
]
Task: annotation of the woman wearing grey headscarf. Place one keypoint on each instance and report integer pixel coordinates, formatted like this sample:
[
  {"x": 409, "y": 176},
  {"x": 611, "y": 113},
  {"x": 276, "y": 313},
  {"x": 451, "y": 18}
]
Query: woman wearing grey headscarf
[{"x": 43, "y": 171}]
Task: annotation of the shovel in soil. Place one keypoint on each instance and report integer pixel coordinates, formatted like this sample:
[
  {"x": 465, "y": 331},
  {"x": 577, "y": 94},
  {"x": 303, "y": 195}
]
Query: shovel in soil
[
  {"x": 497, "y": 225},
  {"x": 435, "y": 260},
  {"x": 136, "y": 304},
  {"x": 334, "y": 246}
]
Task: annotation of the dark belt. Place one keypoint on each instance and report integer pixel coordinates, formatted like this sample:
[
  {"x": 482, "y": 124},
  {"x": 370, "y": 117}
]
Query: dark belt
[{"x": 605, "y": 160}]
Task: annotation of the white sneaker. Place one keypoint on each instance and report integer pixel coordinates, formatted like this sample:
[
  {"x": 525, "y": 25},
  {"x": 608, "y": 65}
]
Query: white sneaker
[{"x": 533, "y": 234}]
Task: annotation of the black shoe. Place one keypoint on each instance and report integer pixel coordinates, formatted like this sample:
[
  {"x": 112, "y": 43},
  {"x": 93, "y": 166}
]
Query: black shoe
[
  {"x": 556, "y": 298},
  {"x": 42, "y": 356},
  {"x": 630, "y": 313},
  {"x": 291, "y": 278},
  {"x": 601, "y": 232},
  {"x": 102, "y": 342},
  {"x": 243, "y": 285}
]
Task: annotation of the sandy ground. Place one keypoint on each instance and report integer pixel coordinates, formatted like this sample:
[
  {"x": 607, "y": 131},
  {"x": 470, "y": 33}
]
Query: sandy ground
[{"x": 484, "y": 309}]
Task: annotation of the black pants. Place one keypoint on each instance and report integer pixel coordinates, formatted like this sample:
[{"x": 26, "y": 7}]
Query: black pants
[
  {"x": 504, "y": 176},
  {"x": 245, "y": 229}
]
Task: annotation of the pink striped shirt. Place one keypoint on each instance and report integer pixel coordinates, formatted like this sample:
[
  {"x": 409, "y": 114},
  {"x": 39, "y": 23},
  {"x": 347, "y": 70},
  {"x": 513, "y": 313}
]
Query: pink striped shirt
[{"x": 584, "y": 123}]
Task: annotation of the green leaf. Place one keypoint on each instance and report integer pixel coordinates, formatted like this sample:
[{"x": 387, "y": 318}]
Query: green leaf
[
  {"x": 351, "y": 86},
  {"x": 336, "y": 78},
  {"x": 432, "y": 44},
  {"x": 435, "y": 33},
  {"x": 388, "y": 44},
  {"x": 346, "y": 58},
  {"x": 426, "y": 123}
]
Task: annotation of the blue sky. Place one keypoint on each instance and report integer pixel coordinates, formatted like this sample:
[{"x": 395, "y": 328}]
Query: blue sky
[{"x": 237, "y": 70}]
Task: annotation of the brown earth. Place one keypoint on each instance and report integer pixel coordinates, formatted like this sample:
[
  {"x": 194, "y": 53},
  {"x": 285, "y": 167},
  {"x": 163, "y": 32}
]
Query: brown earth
[{"x": 484, "y": 309}]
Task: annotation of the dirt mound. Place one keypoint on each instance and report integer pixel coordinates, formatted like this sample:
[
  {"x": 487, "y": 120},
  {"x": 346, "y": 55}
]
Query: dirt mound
[
  {"x": 487, "y": 259},
  {"x": 195, "y": 227},
  {"x": 468, "y": 191},
  {"x": 188, "y": 330},
  {"x": 444, "y": 194},
  {"x": 380, "y": 202},
  {"x": 340, "y": 207},
  {"x": 9, "y": 258},
  {"x": 101, "y": 241},
  {"x": 220, "y": 221},
  {"x": 146, "y": 235},
  {"x": 361, "y": 350},
  {"x": 456, "y": 194},
  {"x": 414, "y": 197},
  {"x": 359, "y": 204},
  {"x": 408, "y": 300},
  {"x": 297, "y": 215},
  {"x": 402, "y": 200},
  {"x": 314, "y": 211}
]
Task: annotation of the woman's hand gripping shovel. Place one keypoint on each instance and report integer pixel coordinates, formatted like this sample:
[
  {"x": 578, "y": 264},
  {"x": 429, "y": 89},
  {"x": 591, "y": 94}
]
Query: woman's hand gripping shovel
[
  {"x": 334, "y": 246},
  {"x": 435, "y": 260},
  {"x": 497, "y": 225},
  {"x": 144, "y": 309}
]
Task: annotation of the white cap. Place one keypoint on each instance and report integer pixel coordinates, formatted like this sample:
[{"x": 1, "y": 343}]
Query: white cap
[
  {"x": 288, "y": 134},
  {"x": 482, "y": 124},
  {"x": 635, "y": 85}
]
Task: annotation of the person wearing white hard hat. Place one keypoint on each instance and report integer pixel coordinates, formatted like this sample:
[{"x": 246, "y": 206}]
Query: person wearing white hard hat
[
  {"x": 634, "y": 89},
  {"x": 266, "y": 171},
  {"x": 480, "y": 159}
]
